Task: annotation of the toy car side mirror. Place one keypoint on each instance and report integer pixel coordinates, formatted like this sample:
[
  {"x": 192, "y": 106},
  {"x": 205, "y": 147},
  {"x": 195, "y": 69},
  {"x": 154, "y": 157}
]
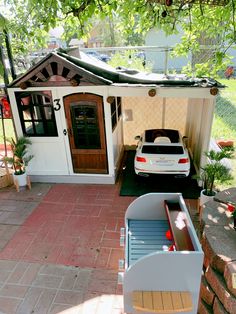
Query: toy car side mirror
[{"x": 137, "y": 137}]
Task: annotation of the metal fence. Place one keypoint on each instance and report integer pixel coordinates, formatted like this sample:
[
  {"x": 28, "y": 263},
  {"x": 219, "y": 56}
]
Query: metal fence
[{"x": 224, "y": 123}]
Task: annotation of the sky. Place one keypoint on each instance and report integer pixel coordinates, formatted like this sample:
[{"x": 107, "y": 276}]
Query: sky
[{"x": 56, "y": 32}]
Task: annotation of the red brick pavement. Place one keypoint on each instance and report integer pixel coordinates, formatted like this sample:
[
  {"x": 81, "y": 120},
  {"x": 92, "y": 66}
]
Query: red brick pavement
[{"x": 75, "y": 225}]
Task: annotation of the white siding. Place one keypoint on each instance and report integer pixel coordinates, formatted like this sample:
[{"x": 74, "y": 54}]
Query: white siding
[{"x": 158, "y": 56}]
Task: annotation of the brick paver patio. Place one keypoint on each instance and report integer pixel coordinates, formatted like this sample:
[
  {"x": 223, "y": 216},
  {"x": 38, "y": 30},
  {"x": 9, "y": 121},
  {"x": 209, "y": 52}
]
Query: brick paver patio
[{"x": 59, "y": 249}]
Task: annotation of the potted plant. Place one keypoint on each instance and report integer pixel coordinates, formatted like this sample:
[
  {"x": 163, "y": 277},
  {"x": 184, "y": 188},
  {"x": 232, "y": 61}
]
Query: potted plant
[
  {"x": 214, "y": 172},
  {"x": 20, "y": 158}
]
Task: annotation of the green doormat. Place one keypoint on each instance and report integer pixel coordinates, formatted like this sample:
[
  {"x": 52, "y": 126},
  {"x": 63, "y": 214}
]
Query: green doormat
[{"x": 133, "y": 185}]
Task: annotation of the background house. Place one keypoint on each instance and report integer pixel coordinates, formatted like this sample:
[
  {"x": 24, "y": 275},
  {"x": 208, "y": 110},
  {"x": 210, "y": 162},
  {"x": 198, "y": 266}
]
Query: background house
[
  {"x": 163, "y": 45},
  {"x": 161, "y": 56}
]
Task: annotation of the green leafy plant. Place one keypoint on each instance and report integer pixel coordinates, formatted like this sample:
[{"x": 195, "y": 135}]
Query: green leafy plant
[
  {"x": 215, "y": 172},
  {"x": 129, "y": 59},
  {"x": 20, "y": 158},
  {"x": 233, "y": 214}
]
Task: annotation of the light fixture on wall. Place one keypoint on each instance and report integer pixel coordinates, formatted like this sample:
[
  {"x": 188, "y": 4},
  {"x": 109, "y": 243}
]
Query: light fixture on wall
[{"x": 128, "y": 115}]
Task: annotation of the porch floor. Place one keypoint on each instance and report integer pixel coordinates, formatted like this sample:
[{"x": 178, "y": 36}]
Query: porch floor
[{"x": 59, "y": 248}]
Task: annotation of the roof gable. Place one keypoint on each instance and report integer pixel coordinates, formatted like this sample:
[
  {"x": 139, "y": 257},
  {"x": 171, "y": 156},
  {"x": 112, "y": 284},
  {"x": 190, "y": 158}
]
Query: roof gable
[{"x": 55, "y": 70}]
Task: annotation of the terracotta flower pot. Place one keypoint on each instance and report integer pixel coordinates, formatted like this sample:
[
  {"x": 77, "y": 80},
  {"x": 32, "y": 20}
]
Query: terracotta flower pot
[{"x": 225, "y": 143}]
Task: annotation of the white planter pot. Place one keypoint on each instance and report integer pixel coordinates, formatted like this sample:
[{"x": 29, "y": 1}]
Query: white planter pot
[
  {"x": 21, "y": 179},
  {"x": 205, "y": 198}
]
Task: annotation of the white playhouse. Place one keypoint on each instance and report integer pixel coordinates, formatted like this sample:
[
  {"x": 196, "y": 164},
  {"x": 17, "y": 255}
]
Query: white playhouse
[{"x": 81, "y": 114}]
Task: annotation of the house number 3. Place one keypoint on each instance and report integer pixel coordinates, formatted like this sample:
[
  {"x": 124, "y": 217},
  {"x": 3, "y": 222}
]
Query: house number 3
[{"x": 57, "y": 106}]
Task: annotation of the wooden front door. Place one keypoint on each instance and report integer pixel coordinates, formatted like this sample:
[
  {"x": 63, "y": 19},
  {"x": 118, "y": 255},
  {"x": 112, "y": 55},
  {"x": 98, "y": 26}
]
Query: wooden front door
[{"x": 85, "y": 121}]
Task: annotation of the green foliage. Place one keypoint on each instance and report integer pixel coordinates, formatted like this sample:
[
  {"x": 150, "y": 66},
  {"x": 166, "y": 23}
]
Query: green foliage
[
  {"x": 3, "y": 22},
  {"x": 1, "y": 73},
  {"x": 234, "y": 214},
  {"x": 20, "y": 158},
  {"x": 215, "y": 172},
  {"x": 30, "y": 20},
  {"x": 127, "y": 59},
  {"x": 9, "y": 130},
  {"x": 224, "y": 124}
]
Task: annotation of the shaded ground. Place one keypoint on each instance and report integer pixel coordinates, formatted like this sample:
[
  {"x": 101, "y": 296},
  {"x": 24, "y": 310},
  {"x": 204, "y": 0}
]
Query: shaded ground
[{"x": 133, "y": 185}]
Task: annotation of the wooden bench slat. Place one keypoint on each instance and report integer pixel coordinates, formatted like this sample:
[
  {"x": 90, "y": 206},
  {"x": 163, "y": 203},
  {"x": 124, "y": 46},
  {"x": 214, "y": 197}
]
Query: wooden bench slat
[
  {"x": 186, "y": 299},
  {"x": 147, "y": 300},
  {"x": 162, "y": 301},
  {"x": 137, "y": 298},
  {"x": 166, "y": 300},
  {"x": 177, "y": 300},
  {"x": 157, "y": 301}
]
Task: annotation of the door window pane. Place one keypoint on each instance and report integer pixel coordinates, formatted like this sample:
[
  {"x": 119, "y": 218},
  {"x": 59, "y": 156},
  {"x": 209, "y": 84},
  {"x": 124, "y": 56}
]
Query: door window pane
[{"x": 85, "y": 125}]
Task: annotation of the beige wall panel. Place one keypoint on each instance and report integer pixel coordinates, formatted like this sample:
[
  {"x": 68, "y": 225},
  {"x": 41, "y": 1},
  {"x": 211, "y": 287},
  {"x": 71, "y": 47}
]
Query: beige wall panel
[
  {"x": 176, "y": 113},
  {"x": 142, "y": 113}
]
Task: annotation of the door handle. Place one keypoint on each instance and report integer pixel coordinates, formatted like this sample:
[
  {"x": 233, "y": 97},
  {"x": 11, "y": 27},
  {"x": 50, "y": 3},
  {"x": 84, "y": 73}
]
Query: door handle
[{"x": 65, "y": 132}]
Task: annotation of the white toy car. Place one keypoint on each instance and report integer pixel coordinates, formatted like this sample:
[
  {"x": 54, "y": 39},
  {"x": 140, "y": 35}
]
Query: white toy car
[{"x": 161, "y": 151}]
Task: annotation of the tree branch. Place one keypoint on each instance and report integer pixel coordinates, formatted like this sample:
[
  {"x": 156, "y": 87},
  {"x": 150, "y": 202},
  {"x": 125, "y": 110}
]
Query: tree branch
[{"x": 80, "y": 9}]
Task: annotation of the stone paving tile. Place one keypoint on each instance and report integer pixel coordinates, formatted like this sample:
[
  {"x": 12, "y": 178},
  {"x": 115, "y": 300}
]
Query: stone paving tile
[
  {"x": 8, "y": 266},
  {"x": 55, "y": 288},
  {"x": 15, "y": 208},
  {"x": 46, "y": 281},
  {"x": 69, "y": 297},
  {"x": 29, "y": 275},
  {"x": 3, "y": 275},
  {"x": 59, "y": 308},
  {"x": 9, "y": 305},
  {"x": 82, "y": 280},
  {"x": 15, "y": 291},
  {"x": 30, "y": 301},
  {"x": 45, "y": 301},
  {"x": 15, "y": 205},
  {"x": 37, "y": 192},
  {"x": 6, "y": 234},
  {"x": 17, "y": 272},
  {"x": 13, "y": 213}
]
